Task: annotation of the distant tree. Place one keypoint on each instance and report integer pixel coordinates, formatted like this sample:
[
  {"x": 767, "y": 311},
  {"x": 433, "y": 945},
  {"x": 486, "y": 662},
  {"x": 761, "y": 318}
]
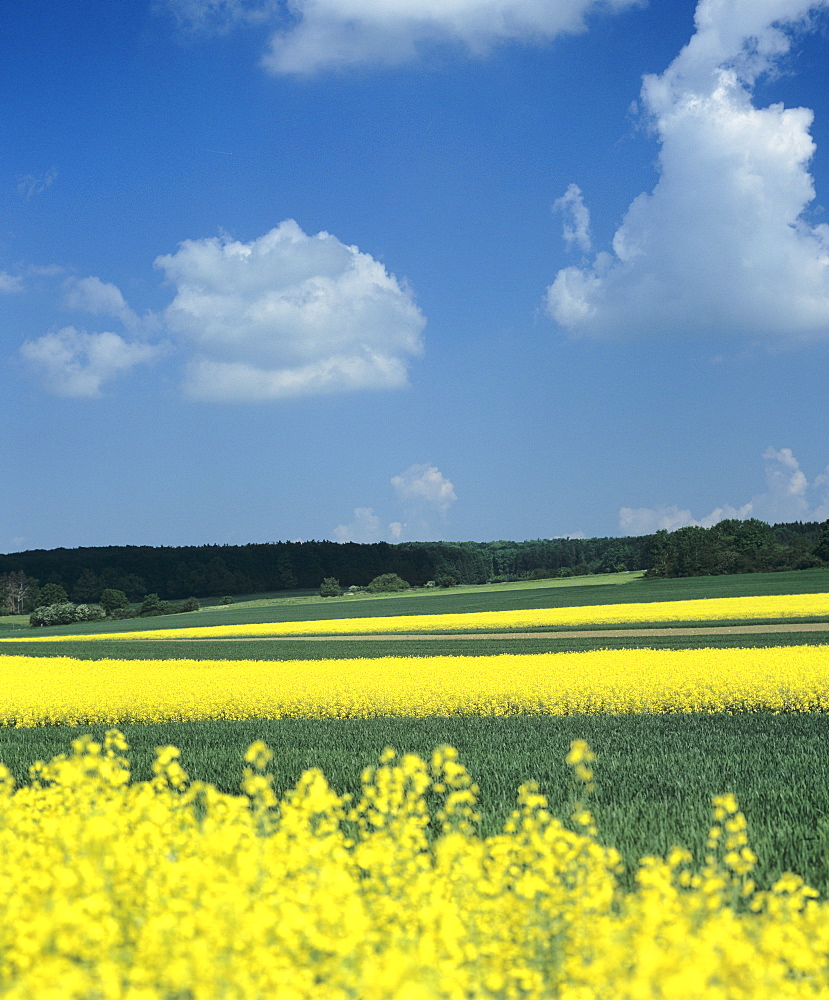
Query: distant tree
[
  {"x": 18, "y": 592},
  {"x": 219, "y": 579},
  {"x": 330, "y": 587},
  {"x": 87, "y": 588},
  {"x": 190, "y": 604},
  {"x": 387, "y": 583},
  {"x": 822, "y": 547},
  {"x": 285, "y": 572},
  {"x": 658, "y": 553},
  {"x": 151, "y": 605},
  {"x": 227, "y": 599},
  {"x": 744, "y": 536},
  {"x": 51, "y": 593},
  {"x": 113, "y": 600},
  {"x": 133, "y": 586}
]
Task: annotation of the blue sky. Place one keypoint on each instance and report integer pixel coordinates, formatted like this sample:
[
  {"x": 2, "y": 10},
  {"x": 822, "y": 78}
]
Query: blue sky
[{"x": 473, "y": 269}]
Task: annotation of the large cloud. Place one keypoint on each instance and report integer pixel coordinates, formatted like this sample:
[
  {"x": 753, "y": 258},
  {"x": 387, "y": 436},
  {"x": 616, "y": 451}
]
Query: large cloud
[
  {"x": 789, "y": 496},
  {"x": 722, "y": 243},
  {"x": 74, "y": 363},
  {"x": 336, "y": 33},
  {"x": 288, "y": 315}
]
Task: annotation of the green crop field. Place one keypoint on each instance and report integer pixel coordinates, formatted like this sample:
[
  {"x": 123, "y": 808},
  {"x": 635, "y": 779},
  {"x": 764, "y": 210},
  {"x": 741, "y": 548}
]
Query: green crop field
[
  {"x": 655, "y": 774},
  {"x": 444, "y": 645}
]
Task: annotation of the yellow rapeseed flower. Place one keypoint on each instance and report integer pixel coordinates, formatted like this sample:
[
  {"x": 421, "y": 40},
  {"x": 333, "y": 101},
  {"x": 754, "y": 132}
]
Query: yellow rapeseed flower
[{"x": 50, "y": 690}]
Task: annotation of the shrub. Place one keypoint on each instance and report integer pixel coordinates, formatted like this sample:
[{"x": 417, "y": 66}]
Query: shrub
[
  {"x": 121, "y": 613},
  {"x": 191, "y": 604},
  {"x": 227, "y": 599},
  {"x": 330, "y": 587},
  {"x": 387, "y": 583},
  {"x": 446, "y": 580},
  {"x": 539, "y": 574},
  {"x": 62, "y": 613},
  {"x": 65, "y": 613},
  {"x": 89, "y": 613}
]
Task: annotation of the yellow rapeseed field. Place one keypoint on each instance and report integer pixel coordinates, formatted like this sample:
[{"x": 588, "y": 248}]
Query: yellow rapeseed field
[
  {"x": 707, "y": 609},
  {"x": 171, "y": 890},
  {"x": 46, "y": 690}
]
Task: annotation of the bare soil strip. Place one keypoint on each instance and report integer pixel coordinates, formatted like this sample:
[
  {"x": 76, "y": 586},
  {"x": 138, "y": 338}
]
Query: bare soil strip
[{"x": 621, "y": 633}]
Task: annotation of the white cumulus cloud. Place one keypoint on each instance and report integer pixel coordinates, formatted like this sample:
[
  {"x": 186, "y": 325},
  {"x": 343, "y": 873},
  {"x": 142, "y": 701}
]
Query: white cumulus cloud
[
  {"x": 722, "y": 243},
  {"x": 74, "y": 363},
  {"x": 425, "y": 485},
  {"x": 288, "y": 315},
  {"x": 789, "y": 496},
  {"x": 329, "y": 34}
]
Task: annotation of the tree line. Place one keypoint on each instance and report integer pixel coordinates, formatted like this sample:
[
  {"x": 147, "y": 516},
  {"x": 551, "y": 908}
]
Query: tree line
[{"x": 177, "y": 572}]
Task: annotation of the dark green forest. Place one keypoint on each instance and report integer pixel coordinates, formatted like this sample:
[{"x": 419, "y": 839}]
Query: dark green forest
[{"x": 175, "y": 572}]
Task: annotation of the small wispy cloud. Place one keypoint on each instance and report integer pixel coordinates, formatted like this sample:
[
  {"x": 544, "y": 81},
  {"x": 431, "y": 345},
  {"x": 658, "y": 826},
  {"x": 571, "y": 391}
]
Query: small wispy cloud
[
  {"x": 99, "y": 298},
  {"x": 10, "y": 283},
  {"x": 28, "y": 185},
  {"x": 219, "y": 15},
  {"x": 576, "y": 218}
]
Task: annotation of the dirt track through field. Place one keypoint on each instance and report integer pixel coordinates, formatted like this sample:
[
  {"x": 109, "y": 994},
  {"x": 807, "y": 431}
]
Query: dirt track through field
[{"x": 621, "y": 633}]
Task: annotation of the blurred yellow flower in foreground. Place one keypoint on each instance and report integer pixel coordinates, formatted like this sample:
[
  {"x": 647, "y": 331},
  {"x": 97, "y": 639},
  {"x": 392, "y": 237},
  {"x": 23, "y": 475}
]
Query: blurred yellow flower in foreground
[{"x": 169, "y": 889}]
